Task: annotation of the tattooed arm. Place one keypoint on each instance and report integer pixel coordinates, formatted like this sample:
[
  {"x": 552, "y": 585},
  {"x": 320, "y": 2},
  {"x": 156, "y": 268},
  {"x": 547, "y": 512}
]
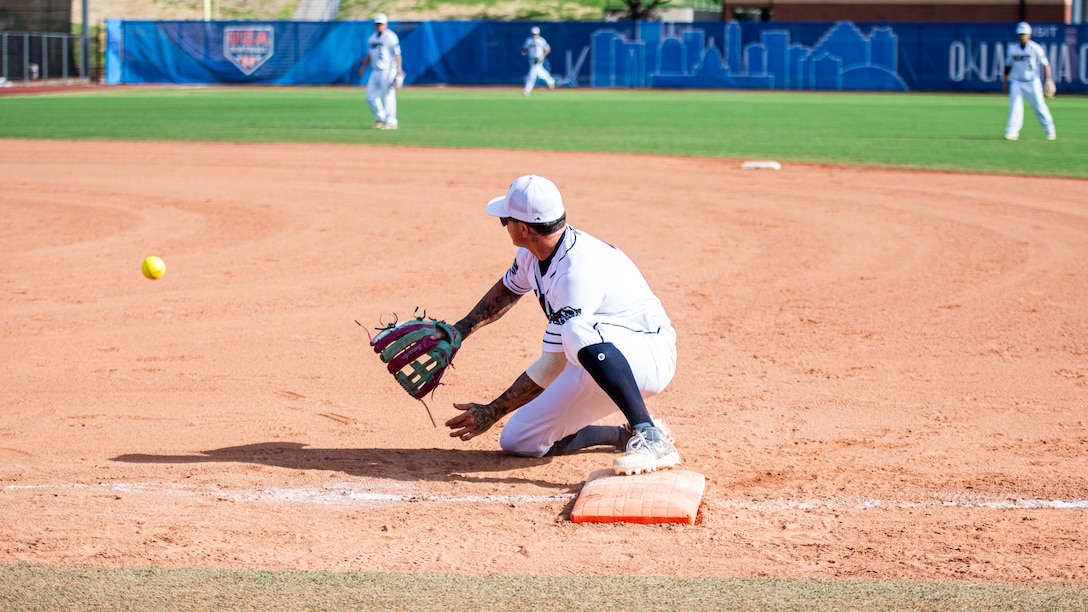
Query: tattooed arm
[
  {"x": 492, "y": 306},
  {"x": 478, "y": 418}
]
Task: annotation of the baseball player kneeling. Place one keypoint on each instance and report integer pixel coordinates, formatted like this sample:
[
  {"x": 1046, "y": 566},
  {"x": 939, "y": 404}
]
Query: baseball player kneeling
[{"x": 607, "y": 344}]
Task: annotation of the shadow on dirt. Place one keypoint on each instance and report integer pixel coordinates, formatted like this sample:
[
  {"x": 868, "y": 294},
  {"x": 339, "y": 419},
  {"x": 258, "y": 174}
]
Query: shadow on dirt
[{"x": 409, "y": 464}]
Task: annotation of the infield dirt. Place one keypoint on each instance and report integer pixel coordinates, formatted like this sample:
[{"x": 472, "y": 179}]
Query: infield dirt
[{"x": 883, "y": 374}]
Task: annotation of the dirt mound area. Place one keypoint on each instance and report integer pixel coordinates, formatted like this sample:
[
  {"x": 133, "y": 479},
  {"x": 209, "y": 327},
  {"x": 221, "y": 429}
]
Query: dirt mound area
[{"x": 882, "y": 373}]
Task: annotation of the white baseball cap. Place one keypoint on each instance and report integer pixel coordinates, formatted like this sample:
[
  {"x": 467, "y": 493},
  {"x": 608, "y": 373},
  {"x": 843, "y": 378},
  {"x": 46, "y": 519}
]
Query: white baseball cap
[
  {"x": 1023, "y": 28},
  {"x": 381, "y": 18},
  {"x": 530, "y": 199},
  {"x": 534, "y": 30}
]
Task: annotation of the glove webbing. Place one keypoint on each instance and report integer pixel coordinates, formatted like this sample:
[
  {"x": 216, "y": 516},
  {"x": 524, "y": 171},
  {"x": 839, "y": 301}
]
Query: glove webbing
[{"x": 415, "y": 377}]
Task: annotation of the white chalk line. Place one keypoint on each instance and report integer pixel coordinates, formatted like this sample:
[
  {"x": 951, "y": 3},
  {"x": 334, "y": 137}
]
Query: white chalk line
[
  {"x": 780, "y": 505},
  {"x": 346, "y": 494},
  {"x": 334, "y": 495}
]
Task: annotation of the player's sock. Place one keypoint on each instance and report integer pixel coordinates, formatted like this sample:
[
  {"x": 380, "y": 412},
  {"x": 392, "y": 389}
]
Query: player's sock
[
  {"x": 611, "y": 371},
  {"x": 590, "y": 435}
]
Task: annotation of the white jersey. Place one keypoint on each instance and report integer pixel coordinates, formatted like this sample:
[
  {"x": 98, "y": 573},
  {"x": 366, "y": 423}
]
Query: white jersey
[
  {"x": 536, "y": 47},
  {"x": 586, "y": 277},
  {"x": 1025, "y": 62},
  {"x": 384, "y": 49}
]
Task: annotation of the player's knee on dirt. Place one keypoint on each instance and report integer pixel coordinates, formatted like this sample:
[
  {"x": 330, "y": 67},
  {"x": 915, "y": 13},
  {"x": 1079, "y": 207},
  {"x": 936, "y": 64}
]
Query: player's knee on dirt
[{"x": 522, "y": 443}]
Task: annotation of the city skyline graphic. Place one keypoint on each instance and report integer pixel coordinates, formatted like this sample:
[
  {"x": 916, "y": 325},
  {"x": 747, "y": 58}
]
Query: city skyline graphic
[{"x": 680, "y": 56}]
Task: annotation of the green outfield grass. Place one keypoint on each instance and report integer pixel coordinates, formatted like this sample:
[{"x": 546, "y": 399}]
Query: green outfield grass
[
  {"x": 31, "y": 588},
  {"x": 927, "y": 131}
]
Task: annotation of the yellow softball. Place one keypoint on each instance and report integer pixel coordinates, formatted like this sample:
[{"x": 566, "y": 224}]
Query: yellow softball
[{"x": 153, "y": 267}]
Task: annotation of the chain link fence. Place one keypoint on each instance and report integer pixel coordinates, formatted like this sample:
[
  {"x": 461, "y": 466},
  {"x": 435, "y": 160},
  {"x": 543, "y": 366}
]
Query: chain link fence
[
  {"x": 37, "y": 44},
  {"x": 45, "y": 57}
]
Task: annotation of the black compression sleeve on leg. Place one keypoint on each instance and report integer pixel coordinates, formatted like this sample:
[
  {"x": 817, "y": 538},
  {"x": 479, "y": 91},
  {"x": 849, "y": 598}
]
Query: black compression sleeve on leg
[
  {"x": 587, "y": 437},
  {"x": 611, "y": 371}
]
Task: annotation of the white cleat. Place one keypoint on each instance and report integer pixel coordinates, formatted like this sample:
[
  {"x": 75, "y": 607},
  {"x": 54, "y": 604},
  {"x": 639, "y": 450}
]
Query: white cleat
[
  {"x": 1011, "y": 136},
  {"x": 1051, "y": 135},
  {"x": 664, "y": 430},
  {"x": 648, "y": 450}
]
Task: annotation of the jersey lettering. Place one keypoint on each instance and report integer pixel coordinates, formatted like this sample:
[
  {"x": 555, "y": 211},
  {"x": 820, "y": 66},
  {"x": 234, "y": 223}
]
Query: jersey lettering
[
  {"x": 585, "y": 279},
  {"x": 564, "y": 314}
]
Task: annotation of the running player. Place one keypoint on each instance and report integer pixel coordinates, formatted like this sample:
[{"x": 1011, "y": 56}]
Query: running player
[
  {"x": 383, "y": 55},
  {"x": 1023, "y": 61},
  {"x": 608, "y": 342},
  {"x": 536, "y": 48}
]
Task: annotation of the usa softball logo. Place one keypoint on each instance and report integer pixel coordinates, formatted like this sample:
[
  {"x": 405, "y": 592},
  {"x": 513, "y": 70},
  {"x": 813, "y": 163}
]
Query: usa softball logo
[{"x": 248, "y": 47}]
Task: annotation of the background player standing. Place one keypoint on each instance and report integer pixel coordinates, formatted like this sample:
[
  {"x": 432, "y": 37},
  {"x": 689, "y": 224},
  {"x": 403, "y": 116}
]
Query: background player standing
[
  {"x": 383, "y": 55},
  {"x": 537, "y": 49},
  {"x": 608, "y": 342},
  {"x": 1023, "y": 61}
]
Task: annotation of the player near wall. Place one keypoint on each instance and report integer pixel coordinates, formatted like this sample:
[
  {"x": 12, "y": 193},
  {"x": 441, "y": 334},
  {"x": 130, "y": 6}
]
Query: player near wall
[
  {"x": 1024, "y": 61},
  {"x": 536, "y": 49},
  {"x": 386, "y": 74}
]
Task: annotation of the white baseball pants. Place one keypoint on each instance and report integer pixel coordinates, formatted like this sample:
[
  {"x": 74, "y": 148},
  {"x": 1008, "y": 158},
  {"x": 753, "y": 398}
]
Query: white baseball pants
[
  {"x": 537, "y": 71},
  {"x": 381, "y": 96},
  {"x": 574, "y": 400},
  {"x": 1032, "y": 92}
]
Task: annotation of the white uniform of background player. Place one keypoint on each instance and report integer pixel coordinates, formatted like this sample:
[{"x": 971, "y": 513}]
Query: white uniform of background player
[
  {"x": 1025, "y": 62},
  {"x": 383, "y": 58},
  {"x": 608, "y": 342},
  {"x": 536, "y": 48}
]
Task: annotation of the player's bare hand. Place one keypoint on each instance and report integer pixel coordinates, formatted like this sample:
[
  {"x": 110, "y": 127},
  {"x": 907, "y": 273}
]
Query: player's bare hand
[
  {"x": 442, "y": 334},
  {"x": 475, "y": 420}
]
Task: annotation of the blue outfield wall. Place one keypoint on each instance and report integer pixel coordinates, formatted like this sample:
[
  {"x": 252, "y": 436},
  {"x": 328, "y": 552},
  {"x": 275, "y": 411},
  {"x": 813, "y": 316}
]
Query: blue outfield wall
[{"x": 964, "y": 57}]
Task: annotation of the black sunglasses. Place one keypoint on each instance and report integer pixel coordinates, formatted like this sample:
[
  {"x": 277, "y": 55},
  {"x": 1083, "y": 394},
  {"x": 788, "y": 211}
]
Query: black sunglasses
[{"x": 505, "y": 220}]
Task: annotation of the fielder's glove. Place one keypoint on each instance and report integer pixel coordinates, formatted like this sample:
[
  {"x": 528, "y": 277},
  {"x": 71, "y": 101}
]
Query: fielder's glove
[
  {"x": 1049, "y": 88},
  {"x": 416, "y": 360}
]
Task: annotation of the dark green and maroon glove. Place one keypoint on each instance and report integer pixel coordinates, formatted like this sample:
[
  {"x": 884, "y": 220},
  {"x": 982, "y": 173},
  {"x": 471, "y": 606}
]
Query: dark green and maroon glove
[{"x": 416, "y": 358}]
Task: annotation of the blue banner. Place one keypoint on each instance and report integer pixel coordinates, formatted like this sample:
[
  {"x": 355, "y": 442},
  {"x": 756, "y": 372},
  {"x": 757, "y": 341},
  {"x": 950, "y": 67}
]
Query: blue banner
[{"x": 850, "y": 56}]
